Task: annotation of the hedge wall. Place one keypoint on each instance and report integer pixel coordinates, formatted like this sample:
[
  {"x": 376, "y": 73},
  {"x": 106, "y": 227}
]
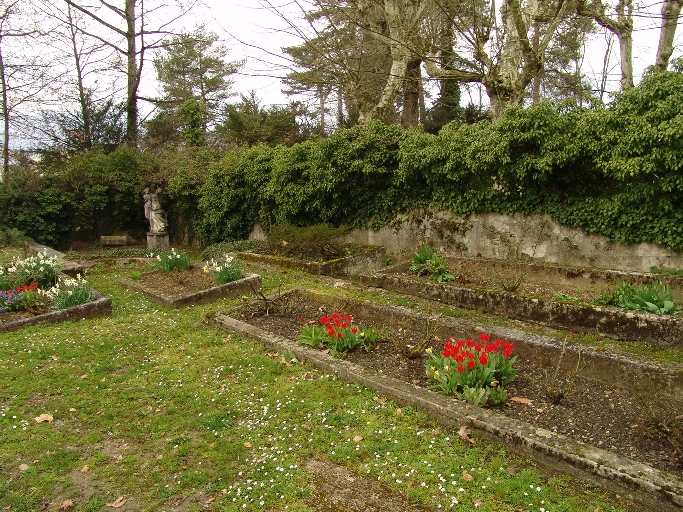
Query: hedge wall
[{"x": 615, "y": 171}]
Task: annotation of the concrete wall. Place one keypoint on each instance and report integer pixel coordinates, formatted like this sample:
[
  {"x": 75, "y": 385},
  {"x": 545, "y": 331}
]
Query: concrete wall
[{"x": 534, "y": 238}]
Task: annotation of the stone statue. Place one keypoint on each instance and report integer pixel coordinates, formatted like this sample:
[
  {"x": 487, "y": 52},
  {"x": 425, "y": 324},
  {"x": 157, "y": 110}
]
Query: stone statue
[{"x": 153, "y": 211}]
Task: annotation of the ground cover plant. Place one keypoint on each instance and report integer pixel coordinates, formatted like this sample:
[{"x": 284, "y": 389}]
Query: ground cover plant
[
  {"x": 427, "y": 262},
  {"x": 153, "y": 409},
  {"x": 654, "y": 297}
]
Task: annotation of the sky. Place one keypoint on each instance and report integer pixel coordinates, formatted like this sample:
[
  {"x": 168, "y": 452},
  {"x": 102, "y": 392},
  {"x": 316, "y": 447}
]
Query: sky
[{"x": 257, "y": 35}]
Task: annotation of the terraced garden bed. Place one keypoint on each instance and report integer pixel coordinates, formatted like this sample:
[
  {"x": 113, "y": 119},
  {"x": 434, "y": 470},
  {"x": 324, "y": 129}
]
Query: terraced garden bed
[{"x": 577, "y": 409}]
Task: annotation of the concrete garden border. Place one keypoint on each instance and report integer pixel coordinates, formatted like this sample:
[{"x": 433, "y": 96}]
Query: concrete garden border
[
  {"x": 665, "y": 331},
  {"x": 231, "y": 289},
  {"x": 371, "y": 260},
  {"x": 100, "y": 306},
  {"x": 653, "y": 489}
]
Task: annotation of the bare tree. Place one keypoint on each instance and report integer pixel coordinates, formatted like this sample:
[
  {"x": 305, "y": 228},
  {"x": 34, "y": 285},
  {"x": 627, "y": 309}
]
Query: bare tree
[
  {"x": 130, "y": 34},
  {"x": 621, "y": 27},
  {"x": 23, "y": 77}
]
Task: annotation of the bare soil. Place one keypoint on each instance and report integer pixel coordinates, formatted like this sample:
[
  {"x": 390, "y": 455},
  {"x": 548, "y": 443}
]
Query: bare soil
[
  {"x": 599, "y": 414},
  {"x": 177, "y": 283}
]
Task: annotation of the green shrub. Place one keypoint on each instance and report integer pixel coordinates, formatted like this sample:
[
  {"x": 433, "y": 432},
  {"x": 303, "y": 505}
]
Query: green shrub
[
  {"x": 12, "y": 237},
  {"x": 216, "y": 251}
]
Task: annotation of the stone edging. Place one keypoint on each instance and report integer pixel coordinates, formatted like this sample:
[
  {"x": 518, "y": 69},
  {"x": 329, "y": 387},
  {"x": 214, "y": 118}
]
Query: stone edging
[
  {"x": 373, "y": 259},
  {"x": 665, "y": 331},
  {"x": 100, "y": 306},
  {"x": 653, "y": 489},
  {"x": 231, "y": 289}
]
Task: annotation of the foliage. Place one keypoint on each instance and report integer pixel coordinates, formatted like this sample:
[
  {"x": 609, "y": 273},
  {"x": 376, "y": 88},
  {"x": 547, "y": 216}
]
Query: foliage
[
  {"x": 233, "y": 196},
  {"x": 172, "y": 260},
  {"x": 667, "y": 271},
  {"x": 247, "y": 123},
  {"x": 339, "y": 334},
  {"x": 473, "y": 371},
  {"x": 426, "y": 262},
  {"x": 217, "y": 250},
  {"x": 12, "y": 237},
  {"x": 653, "y": 297},
  {"x": 17, "y": 299},
  {"x": 69, "y": 292},
  {"x": 225, "y": 271},
  {"x": 193, "y": 66},
  {"x": 311, "y": 242}
]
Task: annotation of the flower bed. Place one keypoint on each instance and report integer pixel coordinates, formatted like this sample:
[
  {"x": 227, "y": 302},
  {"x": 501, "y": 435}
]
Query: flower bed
[
  {"x": 562, "y": 394},
  {"x": 367, "y": 258},
  {"x": 32, "y": 292},
  {"x": 178, "y": 289},
  {"x": 531, "y": 300}
]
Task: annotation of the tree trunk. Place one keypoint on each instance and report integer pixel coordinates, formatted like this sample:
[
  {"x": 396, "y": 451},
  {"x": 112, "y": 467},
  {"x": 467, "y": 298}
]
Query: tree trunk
[
  {"x": 411, "y": 94},
  {"x": 671, "y": 9},
  {"x": 5, "y": 117},
  {"x": 82, "y": 96},
  {"x": 132, "y": 72},
  {"x": 625, "y": 50}
]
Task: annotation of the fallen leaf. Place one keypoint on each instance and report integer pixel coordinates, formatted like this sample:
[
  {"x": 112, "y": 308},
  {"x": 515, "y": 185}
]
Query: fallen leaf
[
  {"x": 358, "y": 439},
  {"x": 44, "y": 418},
  {"x": 118, "y": 503},
  {"x": 399, "y": 412},
  {"x": 248, "y": 446},
  {"x": 464, "y": 434},
  {"x": 380, "y": 400},
  {"x": 209, "y": 501},
  {"x": 54, "y": 358},
  {"x": 436, "y": 432},
  {"x": 521, "y": 400},
  {"x": 23, "y": 467},
  {"x": 306, "y": 427},
  {"x": 478, "y": 503},
  {"x": 85, "y": 469},
  {"x": 272, "y": 354},
  {"x": 224, "y": 491},
  {"x": 84, "y": 376},
  {"x": 67, "y": 505},
  {"x": 467, "y": 477},
  {"x": 71, "y": 409},
  {"x": 598, "y": 510}
]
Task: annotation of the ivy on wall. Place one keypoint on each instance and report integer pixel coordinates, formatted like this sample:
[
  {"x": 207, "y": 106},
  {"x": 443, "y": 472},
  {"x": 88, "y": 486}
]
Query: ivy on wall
[{"x": 615, "y": 171}]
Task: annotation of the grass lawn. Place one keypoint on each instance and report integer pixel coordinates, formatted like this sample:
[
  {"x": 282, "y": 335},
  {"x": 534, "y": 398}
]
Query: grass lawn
[{"x": 155, "y": 409}]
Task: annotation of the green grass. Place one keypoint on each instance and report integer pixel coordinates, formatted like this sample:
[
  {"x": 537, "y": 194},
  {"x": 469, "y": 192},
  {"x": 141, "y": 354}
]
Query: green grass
[{"x": 155, "y": 406}]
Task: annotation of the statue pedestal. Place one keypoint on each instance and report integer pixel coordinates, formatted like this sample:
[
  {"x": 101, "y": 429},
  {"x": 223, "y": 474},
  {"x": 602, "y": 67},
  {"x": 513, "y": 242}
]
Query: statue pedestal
[{"x": 157, "y": 240}]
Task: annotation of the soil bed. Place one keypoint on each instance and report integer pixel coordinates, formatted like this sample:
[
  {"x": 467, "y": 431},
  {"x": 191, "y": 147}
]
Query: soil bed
[
  {"x": 176, "y": 284},
  {"x": 543, "y": 281},
  {"x": 597, "y": 413}
]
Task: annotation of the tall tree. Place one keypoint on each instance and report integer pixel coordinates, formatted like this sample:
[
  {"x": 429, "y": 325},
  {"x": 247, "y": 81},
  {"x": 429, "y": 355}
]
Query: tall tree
[
  {"x": 130, "y": 36},
  {"x": 193, "y": 66},
  {"x": 621, "y": 27},
  {"x": 339, "y": 56},
  {"x": 503, "y": 58}
]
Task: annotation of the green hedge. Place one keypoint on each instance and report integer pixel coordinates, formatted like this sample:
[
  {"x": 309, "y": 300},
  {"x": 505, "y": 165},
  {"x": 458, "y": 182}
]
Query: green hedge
[{"x": 615, "y": 171}]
